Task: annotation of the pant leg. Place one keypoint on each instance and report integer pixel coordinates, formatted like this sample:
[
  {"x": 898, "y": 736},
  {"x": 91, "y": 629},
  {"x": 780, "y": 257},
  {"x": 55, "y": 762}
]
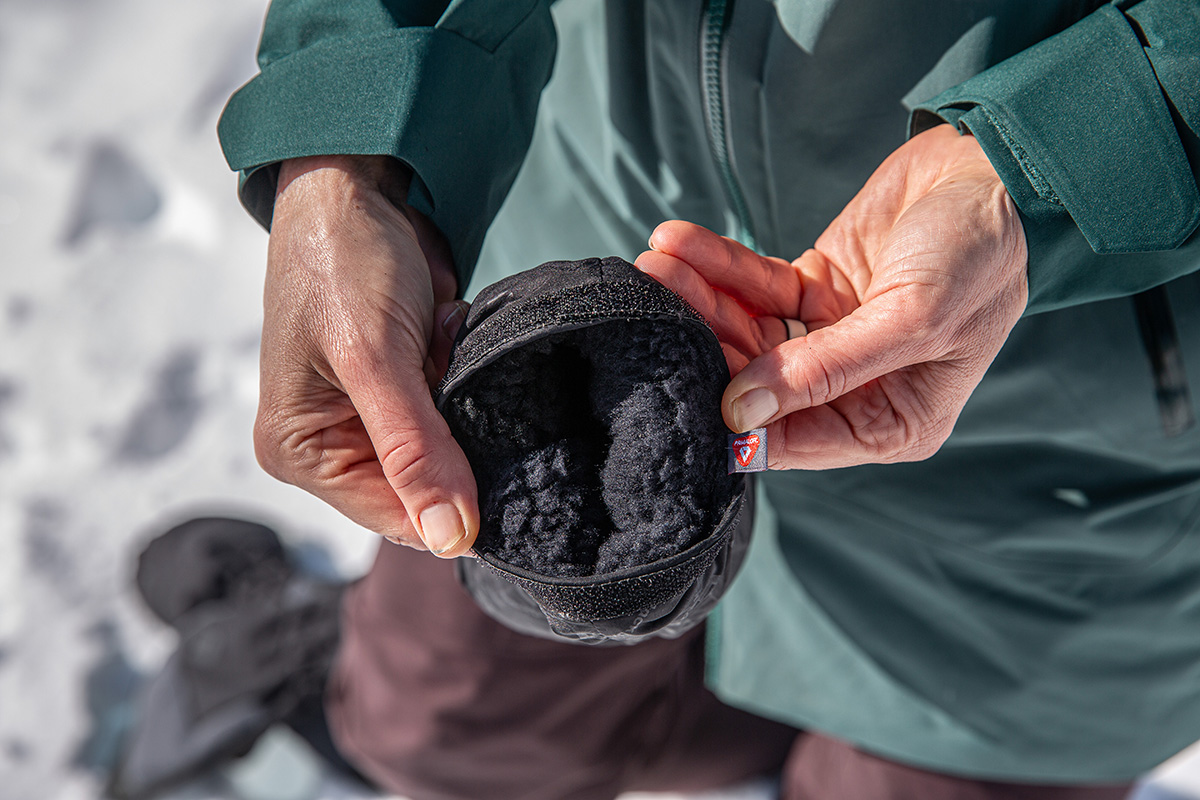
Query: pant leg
[
  {"x": 819, "y": 768},
  {"x": 436, "y": 701}
]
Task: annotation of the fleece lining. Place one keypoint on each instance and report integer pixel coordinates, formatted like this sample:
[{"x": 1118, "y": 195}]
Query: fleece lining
[{"x": 597, "y": 443}]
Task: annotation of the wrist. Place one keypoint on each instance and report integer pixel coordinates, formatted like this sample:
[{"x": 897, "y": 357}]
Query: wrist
[
  {"x": 338, "y": 187},
  {"x": 384, "y": 174}
]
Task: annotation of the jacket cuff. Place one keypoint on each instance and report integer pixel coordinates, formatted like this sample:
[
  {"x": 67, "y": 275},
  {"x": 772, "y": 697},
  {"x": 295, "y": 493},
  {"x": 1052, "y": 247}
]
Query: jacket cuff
[
  {"x": 460, "y": 114},
  {"x": 1080, "y": 133}
]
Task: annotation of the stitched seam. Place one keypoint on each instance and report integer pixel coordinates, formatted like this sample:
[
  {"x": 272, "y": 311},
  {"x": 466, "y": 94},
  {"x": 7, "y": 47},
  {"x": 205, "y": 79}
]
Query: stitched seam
[{"x": 1036, "y": 179}]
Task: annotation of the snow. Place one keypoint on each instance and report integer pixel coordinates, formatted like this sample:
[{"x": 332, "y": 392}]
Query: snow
[
  {"x": 129, "y": 314},
  {"x": 129, "y": 311}
]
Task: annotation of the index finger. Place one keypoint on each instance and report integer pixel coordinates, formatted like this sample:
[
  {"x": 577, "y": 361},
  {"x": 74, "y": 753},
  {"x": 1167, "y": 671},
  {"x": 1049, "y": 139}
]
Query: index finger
[
  {"x": 762, "y": 284},
  {"x": 747, "y": 334}
]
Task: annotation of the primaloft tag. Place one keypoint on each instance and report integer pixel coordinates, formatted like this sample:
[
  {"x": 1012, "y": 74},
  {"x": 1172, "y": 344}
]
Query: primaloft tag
[{"x": 748, "y": 451}]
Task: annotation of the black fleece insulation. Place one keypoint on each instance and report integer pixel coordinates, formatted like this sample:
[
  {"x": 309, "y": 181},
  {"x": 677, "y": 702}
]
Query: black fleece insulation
[{"x": 596, "y": 449}]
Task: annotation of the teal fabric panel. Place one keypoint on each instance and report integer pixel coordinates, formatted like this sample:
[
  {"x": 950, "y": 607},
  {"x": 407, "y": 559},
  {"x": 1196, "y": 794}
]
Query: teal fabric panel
[
  {"x": 1081, "y": 133},
  {"x": 1064, "y": 270},
  {"x": 773, "y": 651},
  {"x": 1049, "y": 555},
  {"x": 1171, "y": 33},
  {"x": 776, "y": 650},
  {"x": 452, "y": 108},
  {"x": 1084, "y": 118},
  {"x": 293, "y": 25}
]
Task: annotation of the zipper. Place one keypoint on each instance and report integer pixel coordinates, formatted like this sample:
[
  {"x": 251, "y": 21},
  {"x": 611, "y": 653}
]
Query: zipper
[{"x": 714, "y": 23}]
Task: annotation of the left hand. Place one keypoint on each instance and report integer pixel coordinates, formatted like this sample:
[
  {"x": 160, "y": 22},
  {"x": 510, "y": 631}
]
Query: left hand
[
  {"x": 907, "y": 297},
  {"x": 358, "y": 323}
]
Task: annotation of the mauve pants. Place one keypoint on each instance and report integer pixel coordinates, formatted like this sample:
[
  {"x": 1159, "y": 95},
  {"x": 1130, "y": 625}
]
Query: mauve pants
[{"x": 434, "y": 701}]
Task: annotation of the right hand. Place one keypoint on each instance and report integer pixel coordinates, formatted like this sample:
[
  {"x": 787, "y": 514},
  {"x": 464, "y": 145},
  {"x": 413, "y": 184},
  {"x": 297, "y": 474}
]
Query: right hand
[
  {"x": 359, "y": 317},
  {"x": 907, "y": 297}
]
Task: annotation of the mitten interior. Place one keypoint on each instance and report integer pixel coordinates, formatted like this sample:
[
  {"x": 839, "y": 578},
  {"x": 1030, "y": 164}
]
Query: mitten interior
[{"x": 596, "y": 449}]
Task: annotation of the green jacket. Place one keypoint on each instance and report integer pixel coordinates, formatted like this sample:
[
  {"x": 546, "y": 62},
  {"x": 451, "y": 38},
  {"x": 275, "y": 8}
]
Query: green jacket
[{"x": 1025, "y": 603}]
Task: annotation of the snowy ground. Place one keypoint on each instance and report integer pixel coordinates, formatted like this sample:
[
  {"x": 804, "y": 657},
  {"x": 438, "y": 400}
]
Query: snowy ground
[{"x": 129, "y": 313}]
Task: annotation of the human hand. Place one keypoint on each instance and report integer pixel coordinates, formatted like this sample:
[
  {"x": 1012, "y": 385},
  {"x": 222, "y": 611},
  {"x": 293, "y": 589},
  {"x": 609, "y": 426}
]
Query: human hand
[
  {"x": 358, "y": 322},
  {"x": 907, "y": 297}
]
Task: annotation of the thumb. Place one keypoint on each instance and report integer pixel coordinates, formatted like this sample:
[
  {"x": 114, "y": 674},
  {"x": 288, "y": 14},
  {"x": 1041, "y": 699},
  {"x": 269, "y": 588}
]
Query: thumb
[
  {"x": 447, "y": 319},
  {"x": 420, "y": 458},
  {"x": 820, "y": 367}
]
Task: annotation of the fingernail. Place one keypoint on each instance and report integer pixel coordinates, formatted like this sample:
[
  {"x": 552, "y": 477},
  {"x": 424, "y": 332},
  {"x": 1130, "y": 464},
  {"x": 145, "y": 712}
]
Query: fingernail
[
  {"x": 441, "y": 527},
  {"x": 454, "y": 319},
  {"x": 753, "y": 408},
  {"x": 650, "y": 242}
]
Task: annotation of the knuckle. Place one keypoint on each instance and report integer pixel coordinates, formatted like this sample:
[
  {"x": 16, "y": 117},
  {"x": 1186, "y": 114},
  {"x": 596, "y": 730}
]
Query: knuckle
[{"x": 814, "y": 380}]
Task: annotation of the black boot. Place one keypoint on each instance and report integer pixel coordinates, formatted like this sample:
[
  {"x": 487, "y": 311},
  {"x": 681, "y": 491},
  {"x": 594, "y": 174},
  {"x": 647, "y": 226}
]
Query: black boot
[{"x": 257, "y": 640}]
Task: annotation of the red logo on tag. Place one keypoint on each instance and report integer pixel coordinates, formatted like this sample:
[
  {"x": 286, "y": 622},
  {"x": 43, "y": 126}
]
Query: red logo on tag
[{"x": 744, "y": 448}]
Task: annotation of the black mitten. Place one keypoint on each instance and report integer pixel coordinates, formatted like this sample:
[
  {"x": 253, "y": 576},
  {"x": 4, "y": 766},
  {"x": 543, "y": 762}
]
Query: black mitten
[{"x": 587, "y": 398}]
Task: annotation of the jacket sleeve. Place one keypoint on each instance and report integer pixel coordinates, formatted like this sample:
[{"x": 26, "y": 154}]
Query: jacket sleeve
[
  {"x": 451, "y": 89},
  {"x": 1094, "y": 133}
]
